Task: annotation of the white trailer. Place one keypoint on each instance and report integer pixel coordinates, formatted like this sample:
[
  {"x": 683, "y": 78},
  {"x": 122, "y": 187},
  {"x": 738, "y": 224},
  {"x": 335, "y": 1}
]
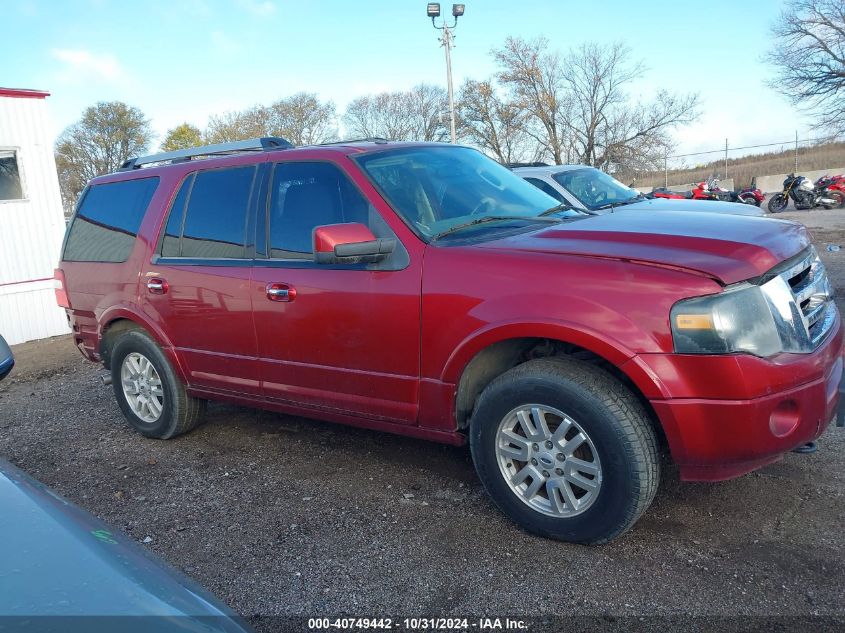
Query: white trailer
[{"x": 32, "y": 221}]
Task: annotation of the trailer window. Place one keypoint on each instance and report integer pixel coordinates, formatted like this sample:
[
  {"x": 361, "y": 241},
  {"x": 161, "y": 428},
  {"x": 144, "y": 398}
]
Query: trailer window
[{"x": 10, "y": 176}]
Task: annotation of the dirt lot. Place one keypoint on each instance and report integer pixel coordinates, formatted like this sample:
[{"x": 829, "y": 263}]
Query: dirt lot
[{"x": 286, "y": 516}]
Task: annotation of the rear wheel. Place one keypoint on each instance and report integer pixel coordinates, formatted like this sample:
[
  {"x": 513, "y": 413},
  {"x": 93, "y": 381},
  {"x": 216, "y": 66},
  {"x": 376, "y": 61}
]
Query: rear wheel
[
  {"x": 838, "y": 197},
  {"x": 151, "y": 396},
  {"x": 749, "y": 199},
  {"x": 777, "y": 203},
  {"x": 565, "y": 450}
]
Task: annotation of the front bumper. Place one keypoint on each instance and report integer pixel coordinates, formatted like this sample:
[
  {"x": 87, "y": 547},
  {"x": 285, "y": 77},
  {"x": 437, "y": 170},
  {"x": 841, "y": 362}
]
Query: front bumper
[{"x": 767, "y": 408}]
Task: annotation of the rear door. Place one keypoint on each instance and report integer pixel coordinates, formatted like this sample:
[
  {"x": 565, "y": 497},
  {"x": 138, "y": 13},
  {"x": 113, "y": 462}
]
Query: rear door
[
  {"x": 346, "y": 338},
  {"x": 197, "y": 286}
]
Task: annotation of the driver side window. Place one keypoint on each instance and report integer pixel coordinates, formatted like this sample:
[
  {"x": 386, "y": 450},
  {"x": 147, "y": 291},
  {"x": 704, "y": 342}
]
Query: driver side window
[{"x": 304, "y": 196}]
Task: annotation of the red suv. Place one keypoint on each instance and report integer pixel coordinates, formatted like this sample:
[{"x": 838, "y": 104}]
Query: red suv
[{"x": 426, "y": 290}]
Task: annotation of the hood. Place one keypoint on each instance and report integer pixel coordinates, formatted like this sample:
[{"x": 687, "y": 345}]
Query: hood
[
  {"x": 7, "y": 360},
  {"x": 727, "y": 248},
  {"x": 59, "y": 560},
  {"x": 707, "y": 206}
]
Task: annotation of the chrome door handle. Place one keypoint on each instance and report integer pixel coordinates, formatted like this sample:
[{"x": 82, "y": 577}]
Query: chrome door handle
[
  {"x": 157, "y": 286},
  {"x": 280, "y": 292}
]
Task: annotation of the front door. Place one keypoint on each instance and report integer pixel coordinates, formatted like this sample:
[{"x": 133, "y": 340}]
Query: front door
[
  {"x": 337, "y": 338},
  {"x": 197, "y": 288}
]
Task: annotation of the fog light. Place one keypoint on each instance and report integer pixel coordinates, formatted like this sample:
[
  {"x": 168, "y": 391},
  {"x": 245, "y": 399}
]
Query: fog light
[{"x": 784, "y": 418}]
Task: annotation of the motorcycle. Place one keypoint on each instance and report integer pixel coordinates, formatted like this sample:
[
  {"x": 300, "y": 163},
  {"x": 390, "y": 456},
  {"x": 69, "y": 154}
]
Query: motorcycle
[
  {"x": 710, "y": 190},
  {"x": 832, "y": 183},
  {"x": 805, "y": 194},
  {"x": 748, "y": 195},
  {"x": 699, "y": 192}
]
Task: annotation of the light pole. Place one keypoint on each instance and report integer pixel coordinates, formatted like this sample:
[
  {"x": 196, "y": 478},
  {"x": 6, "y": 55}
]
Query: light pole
[{"x": 433, "y": 11}]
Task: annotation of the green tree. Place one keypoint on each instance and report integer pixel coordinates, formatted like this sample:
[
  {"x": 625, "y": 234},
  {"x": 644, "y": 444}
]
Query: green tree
[
  {"x": 107, "y": 134},
  {"x": 182, "y": 137}
]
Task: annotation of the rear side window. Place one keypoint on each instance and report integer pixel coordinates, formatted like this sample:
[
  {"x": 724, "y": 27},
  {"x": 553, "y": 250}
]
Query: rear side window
[
  {"x": 208, "y": 217},
  {"x": 107, "y": 222},
  {"x": 546, "y": 188}
]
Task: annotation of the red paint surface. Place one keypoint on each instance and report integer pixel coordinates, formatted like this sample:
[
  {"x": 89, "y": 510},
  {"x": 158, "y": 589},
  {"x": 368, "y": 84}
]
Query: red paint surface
[{"x": 386, "y": 349}]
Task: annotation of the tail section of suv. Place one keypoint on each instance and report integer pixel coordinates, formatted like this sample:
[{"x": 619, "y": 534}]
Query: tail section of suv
[{"x": 423, "y": 289}]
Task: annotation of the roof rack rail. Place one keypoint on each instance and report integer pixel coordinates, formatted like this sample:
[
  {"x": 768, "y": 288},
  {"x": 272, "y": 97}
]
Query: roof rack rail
[
  {"x": 533, "y": 164},
  {"x": 265, "y": 143},
  {"x": 365, "y": 139}
]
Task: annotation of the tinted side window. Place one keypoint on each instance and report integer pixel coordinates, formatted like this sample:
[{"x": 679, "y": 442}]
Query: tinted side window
[
  {"x": 308, "y": 195},
  {"x": 107, "y": 221},
  {"x": 545, "y": 187},
  {"x": 173, "y": 231},
  {"x": 215, "y": 218}
]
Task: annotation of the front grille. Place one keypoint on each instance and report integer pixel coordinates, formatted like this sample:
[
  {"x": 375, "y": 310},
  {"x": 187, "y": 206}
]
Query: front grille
[{"x": 813, "y": 295}]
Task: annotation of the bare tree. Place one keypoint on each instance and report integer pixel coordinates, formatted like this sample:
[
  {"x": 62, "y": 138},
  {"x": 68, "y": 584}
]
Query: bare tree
[
  {"x": 303, "y": 119},
  {"x": 415, "y": 114},
  {"x": 107, "y": 134},
  {"x": 427, "y": 107},
  {"x": 578, "y": 106},
  {"x": 240, "y": 125},
  {"x": 493, "y": 124},
  {"x": 606, "y": 128},
  {"x": 534, "y": 75},
  {"x": 809, "y": 53}
]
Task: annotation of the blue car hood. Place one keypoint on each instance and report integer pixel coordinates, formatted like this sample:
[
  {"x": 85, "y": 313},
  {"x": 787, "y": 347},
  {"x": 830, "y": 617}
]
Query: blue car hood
[{"x": 59, "y": 560}]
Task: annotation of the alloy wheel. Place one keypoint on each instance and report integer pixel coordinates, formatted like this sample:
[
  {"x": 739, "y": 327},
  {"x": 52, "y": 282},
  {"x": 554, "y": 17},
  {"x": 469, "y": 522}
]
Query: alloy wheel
[
  {"x": 142, "y": 387},
  {"x": 548, "y": 460}
]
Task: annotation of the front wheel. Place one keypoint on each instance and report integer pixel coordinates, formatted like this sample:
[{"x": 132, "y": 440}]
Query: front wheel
[
  {"x": 777, "y": 203},
  {"x": 565, "y": 450}
]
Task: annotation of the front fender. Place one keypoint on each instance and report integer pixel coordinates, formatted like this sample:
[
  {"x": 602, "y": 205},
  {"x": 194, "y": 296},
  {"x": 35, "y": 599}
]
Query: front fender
[{"x": 589, "y": 339}]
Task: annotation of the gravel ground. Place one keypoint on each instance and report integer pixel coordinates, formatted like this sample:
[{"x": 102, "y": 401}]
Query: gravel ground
[{"x": 285, "y": 516}]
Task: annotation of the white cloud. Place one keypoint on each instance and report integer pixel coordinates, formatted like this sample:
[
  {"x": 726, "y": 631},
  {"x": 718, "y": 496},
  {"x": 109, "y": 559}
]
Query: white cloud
[
  {"x": 83, "y": 65},
  {"x": 261, "y": 8}
]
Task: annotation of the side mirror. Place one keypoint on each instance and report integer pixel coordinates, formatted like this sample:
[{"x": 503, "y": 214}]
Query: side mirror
[{"x": 351, "y": 243}]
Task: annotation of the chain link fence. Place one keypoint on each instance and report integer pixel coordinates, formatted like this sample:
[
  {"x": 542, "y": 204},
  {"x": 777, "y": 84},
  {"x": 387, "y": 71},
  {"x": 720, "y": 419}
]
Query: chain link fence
[{"x": 739, "y": 167}]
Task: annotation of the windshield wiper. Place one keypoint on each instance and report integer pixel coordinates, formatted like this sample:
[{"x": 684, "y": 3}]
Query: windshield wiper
[
  {"x": 563, "y": 206},
  {"x": 489, "y": 218},
  {"x": 620, "y": 203}
]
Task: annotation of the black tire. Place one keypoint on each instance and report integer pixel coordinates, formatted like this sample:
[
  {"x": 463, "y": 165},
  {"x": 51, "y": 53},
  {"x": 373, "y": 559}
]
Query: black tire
[
  {"x": 840, "y": 199},
  {"x": 613, "y": 418},
  {"x": 778, "y": 203},
  {"x": 749, "y": 199},
  {"x": 180, "y": 413}
]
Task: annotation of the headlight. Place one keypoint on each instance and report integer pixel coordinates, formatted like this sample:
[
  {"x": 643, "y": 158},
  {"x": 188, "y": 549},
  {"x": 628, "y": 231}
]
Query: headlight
[
  {"x": 737, "y": 320},
  {"x": 789, "y": 309}
]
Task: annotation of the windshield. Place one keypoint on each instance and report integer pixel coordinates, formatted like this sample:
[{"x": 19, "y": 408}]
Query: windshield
[
  {"x": 446, "y": 190},
  {"x": 594, "y": 188}
]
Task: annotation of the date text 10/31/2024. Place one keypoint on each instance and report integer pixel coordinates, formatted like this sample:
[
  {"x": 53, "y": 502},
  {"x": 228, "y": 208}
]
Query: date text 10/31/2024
[{"x": 418, "y": 624}]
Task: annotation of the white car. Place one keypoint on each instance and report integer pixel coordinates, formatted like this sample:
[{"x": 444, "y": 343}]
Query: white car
[{"x": 593, "y": 191}]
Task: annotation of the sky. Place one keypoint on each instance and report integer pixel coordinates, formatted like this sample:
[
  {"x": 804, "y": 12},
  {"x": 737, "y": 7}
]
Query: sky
[{"x": 183, "y": 60}]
